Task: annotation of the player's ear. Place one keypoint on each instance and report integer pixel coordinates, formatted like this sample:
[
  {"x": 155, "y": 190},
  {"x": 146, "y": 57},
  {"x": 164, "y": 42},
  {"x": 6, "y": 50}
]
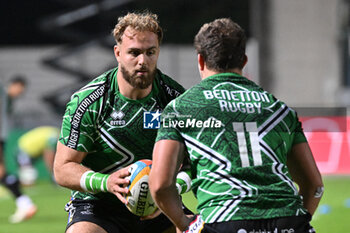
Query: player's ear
[
  {"x": 117, "y": 52},
  {"x": 245, "y": 60},
  {"x": 200, "y": 59}
]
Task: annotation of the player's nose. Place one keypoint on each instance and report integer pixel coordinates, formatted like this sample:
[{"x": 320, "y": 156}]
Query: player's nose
[{"x": 141, "y": 59}]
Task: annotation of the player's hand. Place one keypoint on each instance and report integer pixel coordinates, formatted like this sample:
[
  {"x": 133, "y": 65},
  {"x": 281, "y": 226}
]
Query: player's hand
[
  {"x": 151, "y": 216},
  {"x": 117, "y": 183}
]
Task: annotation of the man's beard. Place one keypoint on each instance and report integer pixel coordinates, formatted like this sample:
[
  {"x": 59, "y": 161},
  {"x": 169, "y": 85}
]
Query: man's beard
[{"x": 140, "y": 82}]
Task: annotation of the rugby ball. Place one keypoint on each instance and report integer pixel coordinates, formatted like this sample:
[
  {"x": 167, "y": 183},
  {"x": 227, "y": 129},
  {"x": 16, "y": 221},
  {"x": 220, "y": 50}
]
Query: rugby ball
[{"x": 139, "y": 198}]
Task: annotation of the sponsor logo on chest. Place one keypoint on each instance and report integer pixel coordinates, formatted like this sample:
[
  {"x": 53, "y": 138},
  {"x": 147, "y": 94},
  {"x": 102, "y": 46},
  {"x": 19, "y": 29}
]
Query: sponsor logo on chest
[{"x": 117, "y": 118}]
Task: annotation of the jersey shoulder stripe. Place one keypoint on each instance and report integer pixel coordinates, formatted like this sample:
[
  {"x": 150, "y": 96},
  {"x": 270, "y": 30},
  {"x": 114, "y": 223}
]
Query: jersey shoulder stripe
[
  {"x": 79, "y": 113},
  {"x": 81, "y": 101}
]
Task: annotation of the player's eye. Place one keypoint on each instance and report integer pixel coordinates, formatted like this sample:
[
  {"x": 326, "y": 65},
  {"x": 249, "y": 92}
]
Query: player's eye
[
  {"x": 134, "y": 53},
  {"x": 151, "y": 52}
]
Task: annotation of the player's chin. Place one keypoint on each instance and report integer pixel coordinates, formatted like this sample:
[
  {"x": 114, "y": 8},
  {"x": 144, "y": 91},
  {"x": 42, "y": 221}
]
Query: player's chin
[{"x": 142, "y": 83}]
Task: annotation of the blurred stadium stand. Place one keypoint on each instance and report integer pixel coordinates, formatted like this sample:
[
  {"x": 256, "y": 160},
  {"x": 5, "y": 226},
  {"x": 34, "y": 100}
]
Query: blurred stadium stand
[{"x": 59, "y": 45}]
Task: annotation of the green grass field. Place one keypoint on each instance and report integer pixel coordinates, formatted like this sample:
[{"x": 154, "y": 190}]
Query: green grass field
[
  {"x": 51, "y": 217},
  {"x": 333, "y": 215}
]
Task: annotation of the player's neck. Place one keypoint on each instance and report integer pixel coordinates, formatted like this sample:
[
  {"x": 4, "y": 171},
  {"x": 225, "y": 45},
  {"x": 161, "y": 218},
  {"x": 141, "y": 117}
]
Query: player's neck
[
  {"x": 207, "y": 72},
  {"x": 131, "y": 92}
]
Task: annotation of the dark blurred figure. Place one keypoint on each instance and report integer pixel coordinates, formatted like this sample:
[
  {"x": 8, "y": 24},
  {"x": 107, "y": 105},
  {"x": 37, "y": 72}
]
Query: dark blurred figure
[{"x": 25, "y": 207}]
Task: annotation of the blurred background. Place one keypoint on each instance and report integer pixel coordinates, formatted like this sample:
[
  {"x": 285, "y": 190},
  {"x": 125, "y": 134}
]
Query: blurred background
[{"x": 299, "y": 50}]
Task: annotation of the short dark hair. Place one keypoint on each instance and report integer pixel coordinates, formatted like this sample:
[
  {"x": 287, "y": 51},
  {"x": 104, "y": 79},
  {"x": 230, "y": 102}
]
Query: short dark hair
[
  {"x": 222, "y": 43},
  {"x": 19, "y": 79}
]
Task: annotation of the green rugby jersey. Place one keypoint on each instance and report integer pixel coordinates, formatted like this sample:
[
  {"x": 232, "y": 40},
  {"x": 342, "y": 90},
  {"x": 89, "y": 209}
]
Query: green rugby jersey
[
  {"x": 238, "y": 137},
  {"x": 101, "y": 121}
]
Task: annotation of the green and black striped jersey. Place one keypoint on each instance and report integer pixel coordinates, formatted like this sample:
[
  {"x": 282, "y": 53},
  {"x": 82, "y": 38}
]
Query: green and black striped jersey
[
  {"x": 108, "y": 126},
  {"x": 238, "y": 137}
]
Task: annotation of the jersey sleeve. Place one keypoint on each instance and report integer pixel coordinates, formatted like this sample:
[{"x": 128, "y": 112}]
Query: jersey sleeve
[
  {"x": 79, "y": 125},
  {"x": 167, "y": 131},
  {"x": 299, "y": 136}
]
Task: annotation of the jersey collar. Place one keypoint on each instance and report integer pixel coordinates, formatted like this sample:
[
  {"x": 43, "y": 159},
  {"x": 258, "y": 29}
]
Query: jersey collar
[{"x": 225, "y": 75}]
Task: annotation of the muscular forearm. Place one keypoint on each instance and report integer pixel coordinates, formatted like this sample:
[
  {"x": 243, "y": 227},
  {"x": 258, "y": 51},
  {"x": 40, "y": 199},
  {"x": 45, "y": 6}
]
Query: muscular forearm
[
  {"x": 69, "y": 174},
  {"x": 305, "y": 173},
  {"x": 311, "y": 198},
  {"x": 167, "y": 158},
  {"x": 170, "y": 204},
  {"x": 67, "y": 167}
]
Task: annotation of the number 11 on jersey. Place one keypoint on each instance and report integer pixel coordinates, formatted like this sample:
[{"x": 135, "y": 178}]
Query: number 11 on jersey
[{"x": 251, "y": 127}]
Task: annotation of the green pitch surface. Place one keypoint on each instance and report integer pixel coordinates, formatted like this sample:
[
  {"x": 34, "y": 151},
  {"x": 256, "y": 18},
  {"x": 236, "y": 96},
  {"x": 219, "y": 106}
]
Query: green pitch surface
[
  {"x": 50, "y": 217},
  {"x": 333, "y": 215}
]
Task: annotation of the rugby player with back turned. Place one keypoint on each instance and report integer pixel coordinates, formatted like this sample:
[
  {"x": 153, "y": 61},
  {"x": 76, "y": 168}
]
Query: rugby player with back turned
[{"x": 243, "y": 165}]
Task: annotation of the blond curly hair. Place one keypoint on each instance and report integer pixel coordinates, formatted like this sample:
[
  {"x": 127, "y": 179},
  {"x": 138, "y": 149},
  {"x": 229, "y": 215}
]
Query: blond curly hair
[{"x": 145, "y": 21}]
